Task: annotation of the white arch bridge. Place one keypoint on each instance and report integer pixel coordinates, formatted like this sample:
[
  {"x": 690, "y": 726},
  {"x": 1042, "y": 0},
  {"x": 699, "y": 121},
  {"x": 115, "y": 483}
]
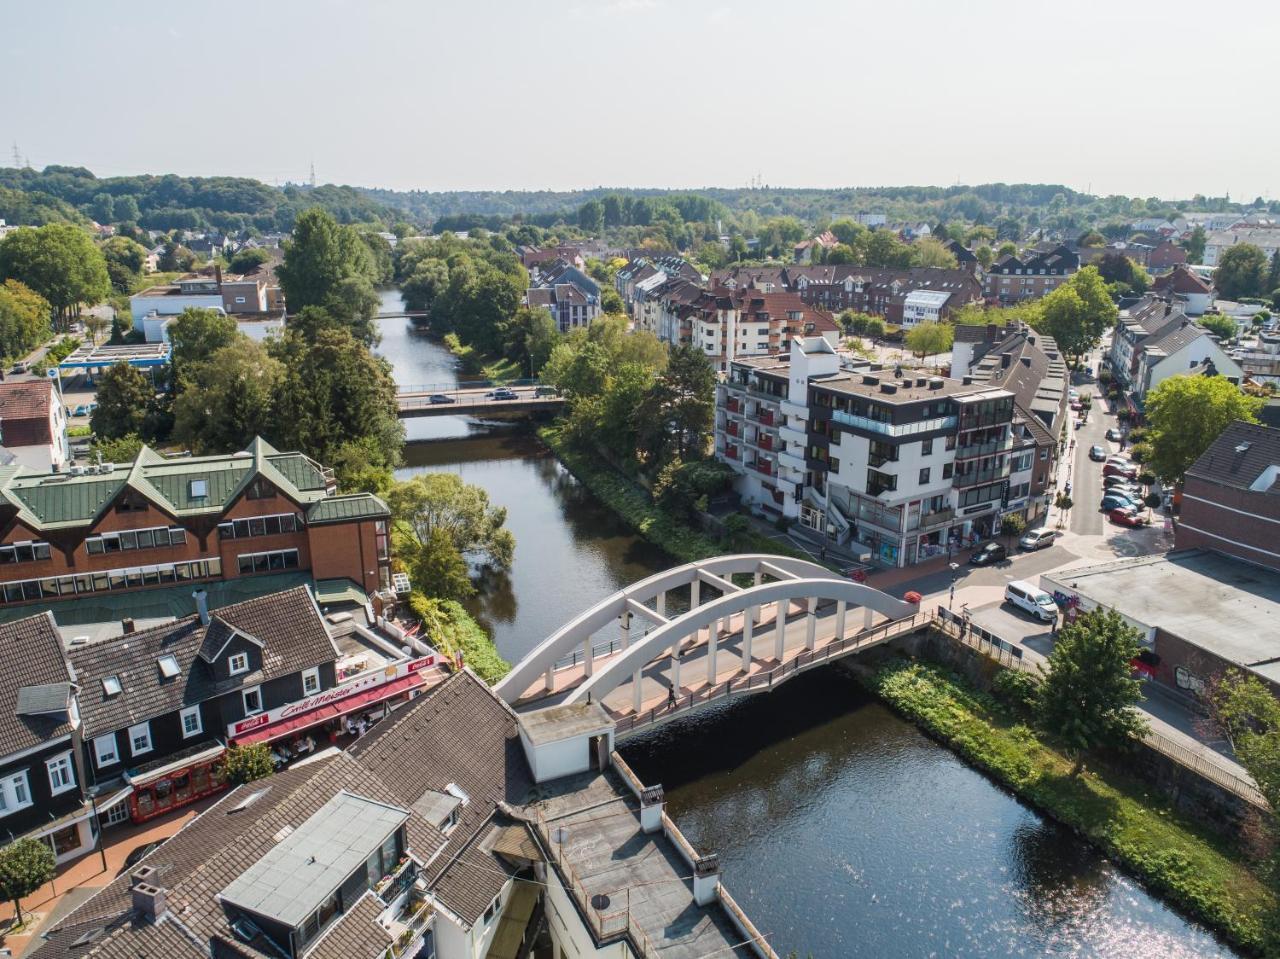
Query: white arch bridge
[{"x": 782, "y": 616}]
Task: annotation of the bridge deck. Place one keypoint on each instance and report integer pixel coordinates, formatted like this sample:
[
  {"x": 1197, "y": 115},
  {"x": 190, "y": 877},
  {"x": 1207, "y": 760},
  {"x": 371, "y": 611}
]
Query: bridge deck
[
  {"x": 700, "y": 682},
  {"x": 473, "y": 402}
]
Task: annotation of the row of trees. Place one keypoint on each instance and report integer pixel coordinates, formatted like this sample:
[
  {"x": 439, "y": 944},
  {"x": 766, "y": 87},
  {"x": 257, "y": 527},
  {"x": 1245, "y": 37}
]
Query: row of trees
[{"x": 24, "y": 320}]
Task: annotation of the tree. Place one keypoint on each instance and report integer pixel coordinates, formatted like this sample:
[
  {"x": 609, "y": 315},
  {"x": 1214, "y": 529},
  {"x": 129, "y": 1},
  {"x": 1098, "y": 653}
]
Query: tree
[
  {"x": 1185, "y": 414},
  {"x": 126, "y": 209},
  {"x": 26, "y": 864},
  {"x": 1092, "y": 238},
  {"x": 196, "y": 334},
  {"x": 125, "y": 260},
  {"x": 228, "y": 398},
  {"x": 1006, "y": 249},
  {"x": 928, "y": 338},
  {"x": 578, "y": 370},
  {"x": 1012, "y": 525},
  {"x": 24, "y": 319},
  {"x": 985, "y": 256},
  {"x": 330, "y": 266},
  {"x": 1120, "y": 269},
  {"x": 1242, "y": 271},
  {"x": 686, "y": 395},
  {"x": 1077, "y": 313},
  {"x": 244, "y": 764},
  {"x": 123, "y": 449},
  {"x": 1194, "y": 244},
  {"x": 591, "y": 216},
  {"x": 248, "y": 259},
  {"x": 434, "y": 504},
  {"x": 1273, "y": 272},
  {"x": 1247, "y": 714},
  {"x": 1223, "y": 327},
  {"x": 843, "y": 253},
  {"x": 1087, "y": 695},
  {"x": 531, "y": 336},
  {"x": 175, "y": 258},
  {"x": 125, "y": 398},
  {"x": 611, "y": 301},
  {"x": 438, "y": 569},
  {"x": 931, "y": 251},
  {"x": 623, "y": 398},
  {"x": 884, "y": 249},
  {"x": 59, "y": 262},
  {"x": 95, "y": 324}
]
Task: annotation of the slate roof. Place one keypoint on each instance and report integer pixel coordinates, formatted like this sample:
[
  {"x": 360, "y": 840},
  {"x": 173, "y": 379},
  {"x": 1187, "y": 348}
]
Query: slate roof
[
  {"x": 1223, "y": 465},
  {"x": 460, "y": 733},
  {"x": 209, "y": 853},
  {"x": 54, "y": 501},
  {"x": 1035, "y": 376},
  {"x": 30, "y": 656},
  {"x": 356, "y": 935},
  {"x": 1174, "y": 337},
  {"x": 288, "y": 625}
]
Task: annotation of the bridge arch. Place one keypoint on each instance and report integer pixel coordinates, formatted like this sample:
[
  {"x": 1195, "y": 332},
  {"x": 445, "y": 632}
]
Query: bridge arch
[
  {"x": 576, "y": 634},
  {"x": 626, "y": 665}
]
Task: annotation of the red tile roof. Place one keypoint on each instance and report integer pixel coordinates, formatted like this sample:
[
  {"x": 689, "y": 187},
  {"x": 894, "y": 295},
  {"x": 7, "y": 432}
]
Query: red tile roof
[{"x": 24, "y": 413}]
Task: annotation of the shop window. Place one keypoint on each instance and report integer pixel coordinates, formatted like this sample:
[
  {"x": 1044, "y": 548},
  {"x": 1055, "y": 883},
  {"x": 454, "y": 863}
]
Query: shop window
[{"x": 66, "y": 840}]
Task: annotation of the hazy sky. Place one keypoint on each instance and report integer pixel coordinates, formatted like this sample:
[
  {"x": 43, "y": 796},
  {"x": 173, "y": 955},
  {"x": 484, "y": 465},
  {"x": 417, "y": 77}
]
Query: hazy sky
[{"x": 1123, "y": 96}]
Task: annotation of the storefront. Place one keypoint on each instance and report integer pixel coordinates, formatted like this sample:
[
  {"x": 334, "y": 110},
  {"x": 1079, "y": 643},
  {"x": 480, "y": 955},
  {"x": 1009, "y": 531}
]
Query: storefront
[
  {"x": 298, "y": 727},
  {"x": 180, "y": 781}
]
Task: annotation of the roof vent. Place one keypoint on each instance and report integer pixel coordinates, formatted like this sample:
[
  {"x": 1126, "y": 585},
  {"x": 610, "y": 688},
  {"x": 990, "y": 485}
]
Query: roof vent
[
  {"x": 936, "y": 383},
  {"x": 1026, "y": 361},
  {"x": 967, "y": 381},
  {"x": 870, "y": 380},
  {"x": 888, "y": 388},
  {"x": 1005, "y": 360}
]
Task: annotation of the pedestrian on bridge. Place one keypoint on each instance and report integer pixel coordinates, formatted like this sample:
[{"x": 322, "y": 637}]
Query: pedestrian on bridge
[{"x": 671, "y": 696}]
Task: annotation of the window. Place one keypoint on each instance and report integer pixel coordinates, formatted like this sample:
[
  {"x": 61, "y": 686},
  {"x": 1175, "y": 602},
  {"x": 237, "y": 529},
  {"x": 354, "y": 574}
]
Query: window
[
  {"x": 198, "y": 489},
  {"x": 24, "y": 552},
  {"x": 191, "y": 724},
  {"x": 14, "y": 793},
  {"x": 239, "y": 299},
  {"x": 946, "y": 470},
  {"x": 105, "y": 751},
  {"x": 168, "y": 666},
  {"x": 252, "y": 700},
  {"x": 238, "y": 663},
  {"x": 493, "y": 909},
  {"x": 926, "y": 447},
  {"x": 111, "y": 686},
  {"x": 61, "y": 774},
  {"x": 310, "y": 682},
  {"x": 140, "y": 739},
  {"x": 924, "y": 476}
]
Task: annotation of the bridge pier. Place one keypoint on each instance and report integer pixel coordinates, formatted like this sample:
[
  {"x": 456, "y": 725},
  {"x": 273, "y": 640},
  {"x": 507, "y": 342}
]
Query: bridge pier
[
  {"x": 675, "y": 667},
  {"x": 868, "y": 614},
  {"x": 586, "y": 657},
  {"x": 810, "y": 623},
  {"x": 841, "y": 609},
  {"x": 624, "y": 628},
  {"x": 780, "y": 630},
  {"x": 712, "y": 649}
]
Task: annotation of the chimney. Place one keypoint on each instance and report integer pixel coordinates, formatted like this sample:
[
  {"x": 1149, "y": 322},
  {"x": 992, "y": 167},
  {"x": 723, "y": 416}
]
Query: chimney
[
  {"x": 148, "y": 900},
  {"x": 201, "y": 597},
  {"x": 652, "y": 801},
  {"x": 1005, "y": 360},
  {"x": 127, "y": 625},
  {"x": 888, "y": 387},
  {"x": 217, "y": 274},
  {"x": 967, "y": 381},
  {"x": 706, "y": 879}
]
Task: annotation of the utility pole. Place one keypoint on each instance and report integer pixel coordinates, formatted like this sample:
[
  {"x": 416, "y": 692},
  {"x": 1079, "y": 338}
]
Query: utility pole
[
  {"x": 313, "y": 174},
  {"x": 17, "y": 156}
]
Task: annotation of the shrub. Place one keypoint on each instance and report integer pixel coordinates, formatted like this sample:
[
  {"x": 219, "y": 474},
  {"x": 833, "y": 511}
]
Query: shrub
[
  {"x": 1153, "y": 500},
  {"x": 1137, "y": 434},
  {"x": 452, "y": 630},
  {"x": 244, "y": 764},
  {"x": 1140, "y": 452},
  {"x": 1146, "y": 479},
  {"x": 1017, "y": 688}
]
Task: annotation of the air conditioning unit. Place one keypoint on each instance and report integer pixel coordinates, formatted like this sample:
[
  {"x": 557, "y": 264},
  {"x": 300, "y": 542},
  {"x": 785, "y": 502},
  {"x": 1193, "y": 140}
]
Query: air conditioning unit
[{"x": 76, "y": 470}]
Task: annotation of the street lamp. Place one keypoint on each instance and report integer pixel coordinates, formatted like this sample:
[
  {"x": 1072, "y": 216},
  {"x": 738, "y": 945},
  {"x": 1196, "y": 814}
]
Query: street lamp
[{"x": 955, "y": 568}]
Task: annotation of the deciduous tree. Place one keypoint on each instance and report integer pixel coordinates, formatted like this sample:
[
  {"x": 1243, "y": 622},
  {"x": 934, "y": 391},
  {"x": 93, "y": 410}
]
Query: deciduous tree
[
  {"x": 125, "y": 399},
  {"x": 1247, "y": 714},
  {"x": 227, "y": 398},
  {"x": 930, "y": 251},
  {"x": 59, "y": 262},
  {"x": 26, "y": 864},
  {"x": 1077, "y": 313},
  {"x": 1185, "y": 414},
  {"x": 24, "y": 319},
  {"x": 926, "y": 339},
  {"x": 441, "y": 504},
  {"x": 1242, "y": 271}
]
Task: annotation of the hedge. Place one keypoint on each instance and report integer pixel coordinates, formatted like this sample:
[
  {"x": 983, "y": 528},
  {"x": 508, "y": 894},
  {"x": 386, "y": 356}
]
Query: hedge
[{"x": 1193, "y": 869}]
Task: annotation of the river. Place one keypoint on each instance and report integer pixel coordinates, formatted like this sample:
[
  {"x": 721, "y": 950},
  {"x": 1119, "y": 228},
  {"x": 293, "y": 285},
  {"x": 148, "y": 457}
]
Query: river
[{"x": 843, "y": 831}]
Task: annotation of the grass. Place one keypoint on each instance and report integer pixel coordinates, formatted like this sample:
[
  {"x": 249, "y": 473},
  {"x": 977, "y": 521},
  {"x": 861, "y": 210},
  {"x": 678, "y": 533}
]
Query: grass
[
  {"x": 632, "y": 503},
  {"x": 1195, "y": 870},
  {"x": 477, "y": 363},
  {"x": 452, "y": 630}
]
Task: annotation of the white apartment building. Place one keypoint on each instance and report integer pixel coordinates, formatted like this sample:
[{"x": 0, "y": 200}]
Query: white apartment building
[{"x": 1218, "y": 242}]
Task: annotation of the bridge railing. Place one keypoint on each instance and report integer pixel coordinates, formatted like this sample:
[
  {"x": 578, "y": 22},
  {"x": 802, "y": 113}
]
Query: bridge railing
[
  {"x": 468, "y": 385},
  {"x": 740, "y": 685}
]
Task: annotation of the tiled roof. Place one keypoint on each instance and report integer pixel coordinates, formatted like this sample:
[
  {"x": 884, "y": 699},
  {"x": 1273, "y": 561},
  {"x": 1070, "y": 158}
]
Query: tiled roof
[
  {"x": 288, "y": 625},
  {"x": 30, "y": 656},
  {"x": 460, "y": 733},
  {"x": 336, "y": 509},
  {"x": 1241, "y": 454},
  {"x": 1180, "y": 280},
  {"x": 25, "y": 400},
  {"x": 52, "y": 501},
  {"x": 1174, "y": 336},
  {"x": 356, "y": 935}
]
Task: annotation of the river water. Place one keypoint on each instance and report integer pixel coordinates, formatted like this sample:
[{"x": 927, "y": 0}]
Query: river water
[{"x": 843, "y": 831}]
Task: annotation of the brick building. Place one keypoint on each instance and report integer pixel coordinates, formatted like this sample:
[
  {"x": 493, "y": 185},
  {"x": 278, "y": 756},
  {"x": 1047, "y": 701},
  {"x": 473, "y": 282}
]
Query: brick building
[
  {"x": 160, "y": 522},
  {"x": 1031, "y": 275}
]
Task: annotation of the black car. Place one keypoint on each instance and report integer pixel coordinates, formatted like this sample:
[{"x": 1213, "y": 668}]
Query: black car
[
  {"x": 437, "y": 398},
  {"x": 991, "y": 553},
  {"x": 1097, "y": 454}
]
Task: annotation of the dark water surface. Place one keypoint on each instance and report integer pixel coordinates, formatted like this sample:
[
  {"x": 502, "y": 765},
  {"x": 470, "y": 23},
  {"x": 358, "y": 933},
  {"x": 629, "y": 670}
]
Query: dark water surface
[{"x": 842, "y": 830}]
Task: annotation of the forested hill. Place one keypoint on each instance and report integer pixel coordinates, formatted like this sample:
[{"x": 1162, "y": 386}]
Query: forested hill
[{"x": 74, "y": 194}]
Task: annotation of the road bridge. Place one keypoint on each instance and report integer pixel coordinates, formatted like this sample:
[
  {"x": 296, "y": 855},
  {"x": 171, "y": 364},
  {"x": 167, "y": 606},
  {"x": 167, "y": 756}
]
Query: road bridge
[
  {"x": 473, "y": 401},
  {"x": 754, "y": 621}
]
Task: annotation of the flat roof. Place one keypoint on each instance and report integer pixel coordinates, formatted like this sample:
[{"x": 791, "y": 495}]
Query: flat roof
[
  {"x": 564, "y": 722},
  {"x": 290, "y": 882},
  {"x": 137, "y": 354},
  {"x": 859, "y": 384},
  {"x": 1223, "y": 605}
]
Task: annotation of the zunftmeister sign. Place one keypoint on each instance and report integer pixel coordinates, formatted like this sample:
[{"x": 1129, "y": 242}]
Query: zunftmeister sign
[{"x": 361, "y": 683}]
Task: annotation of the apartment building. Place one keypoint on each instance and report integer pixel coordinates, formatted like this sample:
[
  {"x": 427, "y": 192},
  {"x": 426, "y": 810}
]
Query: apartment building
[
  {"x": 569, "y": 294},
  {"x": 1155, "y": 339},
  {"x": 897, "y": 465},
  {"x": 1186, "y": 288},
  {"x": 726, "y": 324},
  {"x": 33, "y": 424},
  {"x": 1218, "y": 242},
  {"x": 1031, "y": 275},
  {"x": 663, "y": 310},
  {"x": 257, "y": 294},
  {"x": 75, "y": 539}
]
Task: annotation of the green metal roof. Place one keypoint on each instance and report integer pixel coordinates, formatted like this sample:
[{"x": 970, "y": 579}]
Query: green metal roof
[
  {"x": 59, "y": 500},
  {"x": 332, "y": 591},
  {"x": 336, "y": 509}
]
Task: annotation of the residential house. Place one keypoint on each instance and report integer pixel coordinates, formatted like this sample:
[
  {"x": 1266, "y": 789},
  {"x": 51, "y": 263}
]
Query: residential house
[
  {"x": 972, "y": 343},
  {"x": 1155, "y": 340},
  {"x": 804, "y": 250},
  {"x": 1261, "y": 362},
  {"x": 571, "y": 296},
  {"x": 1218, "y": 242},
  {"x": 924, "y": 306},
  {"x": 1031, "y": 275},
  {"x": 256, "y": 294},
  {"x": 76, "y": 539},
  {"x": 33, "y": 424},
  {"x": 871, "y": 220},
  {"x": 898, "y": 465},
  {"x": 726, "y": 324},
  {"x": 965, "y": 257},
  {"x": 663, "y": 309},
  {"x": 1187, "y": 288},
  {"x": 1165, "y": 256},
  {"x": 641, "y": 268}
]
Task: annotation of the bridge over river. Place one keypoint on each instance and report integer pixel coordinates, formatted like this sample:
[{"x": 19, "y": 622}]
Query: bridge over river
[
  {"x": 471, "y": 400},
  {"x": 780, "y": 618}
]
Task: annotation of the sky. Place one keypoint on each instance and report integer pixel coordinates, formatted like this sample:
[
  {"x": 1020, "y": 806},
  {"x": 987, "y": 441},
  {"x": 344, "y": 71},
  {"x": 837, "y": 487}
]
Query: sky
[{"x": 1140, "y": 98}]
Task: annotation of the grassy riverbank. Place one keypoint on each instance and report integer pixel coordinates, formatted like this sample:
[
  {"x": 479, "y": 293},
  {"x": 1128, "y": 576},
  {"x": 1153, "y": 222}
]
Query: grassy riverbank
[
  {"x": 632, "y": 503},
  {"x": 1194, "y": 870},
  {"x": 452, "y": 630},
  {"x": 481, "y": 364}
]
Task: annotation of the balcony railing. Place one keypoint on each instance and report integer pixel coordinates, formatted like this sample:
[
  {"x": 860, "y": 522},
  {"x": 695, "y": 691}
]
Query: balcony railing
[
  {"x": 877, "y": 460},
  {"x": 765, "y": 442},
  {"x": 731, "y": 429},
  {"x": 937, "y": 517},
  {"x": 762, "y": 467},
  {"x": 989, "y": 448},
  {"x": 763, "y": 417},
  {"x": 978, "y": 477},
  {"x": 733, "y": 406},
  {"x": 893, "y": 429},
  {"x": 818, "y": 466}
]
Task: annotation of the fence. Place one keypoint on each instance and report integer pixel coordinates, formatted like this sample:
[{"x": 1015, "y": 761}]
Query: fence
[{"x": 959, "y": 627}]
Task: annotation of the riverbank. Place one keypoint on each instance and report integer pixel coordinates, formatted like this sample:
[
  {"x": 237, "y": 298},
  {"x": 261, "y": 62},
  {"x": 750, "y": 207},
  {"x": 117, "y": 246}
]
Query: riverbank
[
  {"x": 475, "y": 363},
  {"x": 634, "y": 506},
  {"x": 1194, "y": 870},
  {"x": 452, "y": 631}
]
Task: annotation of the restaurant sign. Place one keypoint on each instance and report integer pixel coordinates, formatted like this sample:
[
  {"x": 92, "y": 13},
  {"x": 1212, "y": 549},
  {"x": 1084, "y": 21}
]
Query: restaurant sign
[{"x": 359, "y": 684}]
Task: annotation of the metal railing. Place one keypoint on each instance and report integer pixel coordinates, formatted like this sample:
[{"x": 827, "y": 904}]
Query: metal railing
[
  {"x": 467, "y": 385},
  {"x": 978, "y": 477}
]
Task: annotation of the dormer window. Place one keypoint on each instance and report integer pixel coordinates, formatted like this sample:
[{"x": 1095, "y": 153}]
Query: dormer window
[
  {"x": 168, "y": 666},
  {"x": 238, "y": 663}
]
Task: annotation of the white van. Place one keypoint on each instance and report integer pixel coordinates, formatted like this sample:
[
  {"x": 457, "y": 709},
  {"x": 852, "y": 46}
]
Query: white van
[{"x": 1031, "y": 599}]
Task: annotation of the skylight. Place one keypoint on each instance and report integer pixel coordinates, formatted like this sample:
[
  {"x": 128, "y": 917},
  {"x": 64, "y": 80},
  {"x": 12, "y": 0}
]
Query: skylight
[
  {"x": 168, "y": 666},
  {"x": 199, "y": 488},
  {"x": 111, "y": 686}
]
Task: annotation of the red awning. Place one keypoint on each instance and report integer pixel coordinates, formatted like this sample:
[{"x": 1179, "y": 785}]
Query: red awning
[{"x": 320, "y": 714}]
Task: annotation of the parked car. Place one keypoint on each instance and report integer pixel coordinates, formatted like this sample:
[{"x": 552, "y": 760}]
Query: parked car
[
  {"x": 1031, "y": 599},
  {"x": 1037, "y": 539},
  {"x": 1073, "y": 394},
  {"x": 1110, "y": 481},
  {"x": 1118, "y": 501},
  {"x": 1116, "y": 469},
  {"x": 1097, "y": 453},
  {"x": 1115, "y": 435},
  {"x": 1076, "y": 405},
  {"x": 546, "y": 391},
  {"x": 441, "y": 398},
  {"x": 1129, "y": 516},
  {"x": 1131, "y": 490},
  {"x": 991, "y": 553},
  {"x": 81, "y": 410},
  {"x": 504, "y": 394},
  {"x": 19, "y": 367}
]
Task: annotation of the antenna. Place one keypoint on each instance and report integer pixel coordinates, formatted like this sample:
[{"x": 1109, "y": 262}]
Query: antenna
[{"x": 313, "y": 174}]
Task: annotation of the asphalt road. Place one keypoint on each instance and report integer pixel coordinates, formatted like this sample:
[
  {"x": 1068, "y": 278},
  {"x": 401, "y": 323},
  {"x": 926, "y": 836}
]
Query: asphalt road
[{"x": 1086, "y": 475}]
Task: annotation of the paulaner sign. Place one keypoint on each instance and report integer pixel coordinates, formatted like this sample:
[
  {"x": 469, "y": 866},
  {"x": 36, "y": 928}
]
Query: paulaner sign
[{"x": 360, "y": 684}]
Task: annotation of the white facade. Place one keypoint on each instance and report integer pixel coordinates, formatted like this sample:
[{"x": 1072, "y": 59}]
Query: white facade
[
  {"x": 1268, "y": 240},
  {"x": 923, "y": 306},
  {"x": 140, "y": 305},
  {"x": 1156, "y": 367}
]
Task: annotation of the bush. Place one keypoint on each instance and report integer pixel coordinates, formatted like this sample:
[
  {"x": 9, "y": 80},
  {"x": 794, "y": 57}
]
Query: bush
[
  {"x": 244, "y": 764},
  {"x": 1153, "y": 500},
  {"x": 452, "y": 630},
  {"x": 1137, "y": 434},
  {"x": 1018, "y": 689},
  {"x": 1146, "y": 478},
  {"x": 1140, "y": 452}
]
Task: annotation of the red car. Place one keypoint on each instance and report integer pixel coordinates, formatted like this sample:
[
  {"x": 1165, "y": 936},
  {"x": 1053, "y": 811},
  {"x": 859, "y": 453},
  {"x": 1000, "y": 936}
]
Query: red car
[
  {"x": 1115, "y": 469},
  {"x": 1128, "y": 517}
]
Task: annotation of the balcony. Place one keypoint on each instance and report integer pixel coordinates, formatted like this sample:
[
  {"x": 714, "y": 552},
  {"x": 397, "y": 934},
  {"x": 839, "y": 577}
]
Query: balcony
[
  {"x": 733, "y": 406},
  {"x": 731, "y": 429},
  {"x": 818, "y": 466},
  {"x": 989, "y": 448},
  {"x": 791, "y": 461},
  {"x": 763, "y": 417},
  {"x": 820, "y": 440},
  {"x": 978, "y": 477},
  {"x": 937, "y": 517},
  {"x": 765, "y": 442},
  {"x": 731, "y": 452},
  {"x": 879, "y": 459},
  {"x": 892, "y": 429},
  {"x": 763, "y": 467}
]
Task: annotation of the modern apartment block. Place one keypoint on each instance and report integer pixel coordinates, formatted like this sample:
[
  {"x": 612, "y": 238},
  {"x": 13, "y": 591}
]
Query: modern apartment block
[
  {"x": 897, "y": 465},
  {"x": 70, "y": 540}
]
